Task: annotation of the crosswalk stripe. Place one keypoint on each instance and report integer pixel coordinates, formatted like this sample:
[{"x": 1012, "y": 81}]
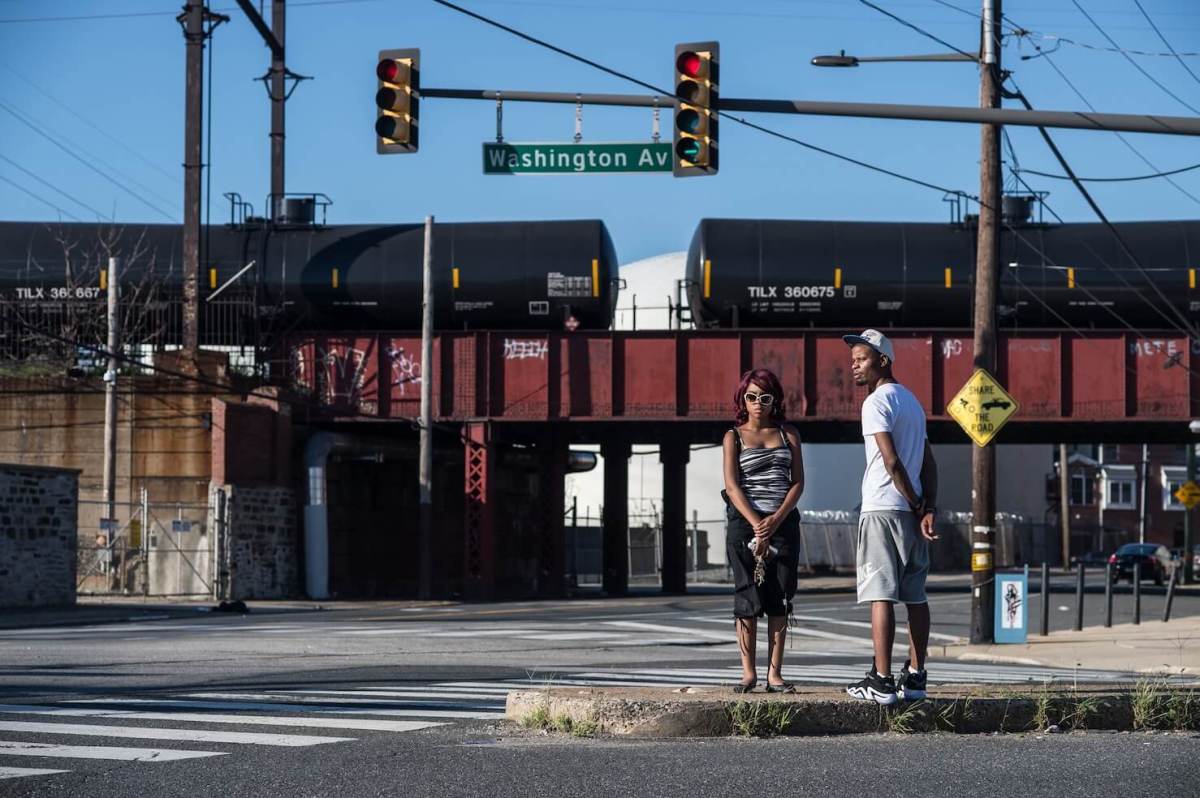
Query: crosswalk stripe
[
  {"x": 378, "y": 693},
  {"x": 151, "y": 733},
  {"x": 205, "y": 717},
  {"x": 16, "y": 773},
  {"x": 102, "y": 752},
  {"x": 679, "y": 630},
  {"x": 305, "y": 708},
  {"x": 566, "y": 636},
  {"x": 411, "y": 709},
  {"x": 482, "y": 633}
]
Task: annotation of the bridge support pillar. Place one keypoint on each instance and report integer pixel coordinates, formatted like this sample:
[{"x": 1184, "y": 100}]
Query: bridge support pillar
[
  {"x": 479, "y": 545},
  {"x": 674, "y": 456},
  {"x": 552, "y": 565},
  {"x": 615, "y": 521}
]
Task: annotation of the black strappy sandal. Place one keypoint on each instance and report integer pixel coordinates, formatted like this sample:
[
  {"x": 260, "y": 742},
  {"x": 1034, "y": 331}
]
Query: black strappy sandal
[
  {"x": 783, "y": 687},
  {"x": 745, "y": 687}
]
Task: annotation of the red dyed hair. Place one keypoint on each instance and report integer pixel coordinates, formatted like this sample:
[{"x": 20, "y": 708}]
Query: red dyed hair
[{"x": 770, "y": 384}]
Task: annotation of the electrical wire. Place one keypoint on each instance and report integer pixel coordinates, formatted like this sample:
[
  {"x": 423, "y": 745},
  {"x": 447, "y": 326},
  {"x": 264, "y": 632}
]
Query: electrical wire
[
  {"x": 1182, "y": 63},
  {"x": 1120, "y": 136},
  {"x": 1135, "y": 64},
  {"x": 53, "y": 140},
  {"x": 40, "y": 199},
  {"x": 922, "y": 31},
  {"x": 1130, "y": 179},
  {"x": 52, "y": 187}
]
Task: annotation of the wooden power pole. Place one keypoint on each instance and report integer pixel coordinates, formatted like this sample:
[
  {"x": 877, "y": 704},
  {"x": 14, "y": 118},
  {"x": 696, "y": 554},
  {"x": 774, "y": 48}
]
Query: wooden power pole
[
  {"x": 987, "y": 263},
  {"x": 193, "y": 21}
]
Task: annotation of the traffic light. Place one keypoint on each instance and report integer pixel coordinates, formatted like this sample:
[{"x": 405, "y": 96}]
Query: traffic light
[
  {"x": 697, "y": 76},
  {"x": 397, "y": 101}
]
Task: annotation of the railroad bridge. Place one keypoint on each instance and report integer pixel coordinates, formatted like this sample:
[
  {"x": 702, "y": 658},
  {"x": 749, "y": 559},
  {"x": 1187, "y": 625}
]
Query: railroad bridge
[{"x": 510, "y": 404}]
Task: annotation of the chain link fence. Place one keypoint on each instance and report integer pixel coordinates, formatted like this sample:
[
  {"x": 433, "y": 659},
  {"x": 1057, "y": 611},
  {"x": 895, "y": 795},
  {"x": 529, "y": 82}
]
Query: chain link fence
[{"x": 148, "y": 548}]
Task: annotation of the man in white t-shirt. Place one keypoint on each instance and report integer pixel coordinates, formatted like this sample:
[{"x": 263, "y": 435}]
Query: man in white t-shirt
[{"x": 895, "y": 524}]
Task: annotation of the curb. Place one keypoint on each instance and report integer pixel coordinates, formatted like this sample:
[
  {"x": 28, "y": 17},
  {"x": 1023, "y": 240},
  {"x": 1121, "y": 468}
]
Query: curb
[{"x": 979, "y": 710}]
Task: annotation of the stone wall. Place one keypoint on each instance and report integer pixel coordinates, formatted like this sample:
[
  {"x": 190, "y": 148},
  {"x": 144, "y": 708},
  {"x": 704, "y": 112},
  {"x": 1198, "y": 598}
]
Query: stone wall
[
  {"x": 259, "y": 555},
  {"x": 39, "y": 513}
]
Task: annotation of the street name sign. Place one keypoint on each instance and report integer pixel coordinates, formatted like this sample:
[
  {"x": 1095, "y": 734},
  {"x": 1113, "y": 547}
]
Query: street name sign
[
  {"x": 1188, "y": 494},
  {"x": 565, "y": 158},
  {"x": 981, "y": 407}
]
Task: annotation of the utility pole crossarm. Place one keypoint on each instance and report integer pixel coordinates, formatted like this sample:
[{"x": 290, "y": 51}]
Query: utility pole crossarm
[
  {"x": 261, "y": 26},
  {"x": 1127, "y": 123}
]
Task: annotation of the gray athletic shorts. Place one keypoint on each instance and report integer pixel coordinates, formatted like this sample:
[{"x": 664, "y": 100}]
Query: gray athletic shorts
[{"x": 892, "y": 557}]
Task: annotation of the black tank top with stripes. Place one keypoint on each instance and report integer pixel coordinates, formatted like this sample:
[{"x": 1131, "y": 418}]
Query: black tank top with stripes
[{"x": 766, "y": 473}]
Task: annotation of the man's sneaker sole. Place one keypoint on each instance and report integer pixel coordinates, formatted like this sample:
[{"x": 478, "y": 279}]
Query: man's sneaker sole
[
  {"x": 910, "y": 694},
  {"x": 881, "y": 697}
]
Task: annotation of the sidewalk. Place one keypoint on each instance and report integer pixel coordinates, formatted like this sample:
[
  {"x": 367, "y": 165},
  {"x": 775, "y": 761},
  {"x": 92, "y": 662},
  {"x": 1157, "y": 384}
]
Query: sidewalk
[{"x": 1151, "y": 647}]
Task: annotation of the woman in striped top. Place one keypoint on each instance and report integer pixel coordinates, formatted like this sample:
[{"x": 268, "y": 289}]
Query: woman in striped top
[{"x": 764, "y": 477}]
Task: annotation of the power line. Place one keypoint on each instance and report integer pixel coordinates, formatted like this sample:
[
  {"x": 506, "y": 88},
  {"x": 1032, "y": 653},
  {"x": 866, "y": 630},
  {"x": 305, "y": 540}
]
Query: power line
[
  {"x": 1129, "y": 179},
  {"x": 53, "y": 187},
  {"x": 660, "y": 91},
  {"x": 1135, "y": 64},
  {"x": 1062, "y": 161},
  {"x": 41, "y": 199},
  {"x": 90, "y": 166},
  {"x": 1167, "y": 43},
  {"x": 85, "y": 120},
  {"x": 921, "y": 31},
  {"x": 1121, "y": 137}
]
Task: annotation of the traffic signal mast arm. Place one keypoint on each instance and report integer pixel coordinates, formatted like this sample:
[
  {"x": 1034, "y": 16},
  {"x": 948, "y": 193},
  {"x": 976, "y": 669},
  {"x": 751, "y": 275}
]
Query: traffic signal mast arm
[{"x": 1130, "y": 123}]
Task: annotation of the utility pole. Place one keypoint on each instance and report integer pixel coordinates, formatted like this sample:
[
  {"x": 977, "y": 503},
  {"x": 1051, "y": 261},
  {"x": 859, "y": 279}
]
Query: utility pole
[
  {"x": 1064, "y": 503},
  {"x": 425, "y": 469},
  {"x": 278, "y": 104},
  {"x": 987, "y": 263},
  {"x": 110, "y": 398},
  {"x": 193, "y": 33}
]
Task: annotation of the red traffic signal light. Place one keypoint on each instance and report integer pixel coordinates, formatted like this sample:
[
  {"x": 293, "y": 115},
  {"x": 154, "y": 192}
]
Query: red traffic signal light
[
  {"x": 397, "y": 100},
  {"x": 696, "y": 90}
]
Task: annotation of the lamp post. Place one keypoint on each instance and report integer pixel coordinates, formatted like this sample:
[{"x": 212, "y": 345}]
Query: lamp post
[{"x": 987, "y": 263}]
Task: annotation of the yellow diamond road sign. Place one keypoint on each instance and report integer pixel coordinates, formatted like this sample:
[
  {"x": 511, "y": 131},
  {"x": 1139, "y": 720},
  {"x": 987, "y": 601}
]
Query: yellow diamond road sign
[
  {"x": 1188, "y": 494},
  {"x": 982, "y": 407}
]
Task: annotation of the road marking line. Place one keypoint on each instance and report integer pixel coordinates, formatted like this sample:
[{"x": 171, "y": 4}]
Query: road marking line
[
  {"x": 306, "y": 708},
  {"x": 148, "y": 733},
  {"x": 483, "y": 633},
  {"x": 205, "y": 717},
  {"x": 679, "y": 630},
  {"x": 122, "y": 754},
  {"x": 410, "y": 709},
  {"x": 377, "y": 694},
  {"x": 564, "y": 636},
  {"x": 16, "y": 773}
]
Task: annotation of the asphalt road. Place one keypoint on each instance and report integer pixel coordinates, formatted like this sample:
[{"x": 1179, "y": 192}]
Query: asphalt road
[{"x": 384, "y": 700}]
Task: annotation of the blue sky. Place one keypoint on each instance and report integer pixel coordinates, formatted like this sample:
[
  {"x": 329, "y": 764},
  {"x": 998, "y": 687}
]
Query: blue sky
[{"x": 111, "y": 90}]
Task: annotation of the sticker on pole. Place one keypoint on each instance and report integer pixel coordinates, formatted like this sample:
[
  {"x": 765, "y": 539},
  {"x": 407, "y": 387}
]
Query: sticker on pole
[
  {"x": 981, "y": 407},
  {"x": 1188, "y": 494}
]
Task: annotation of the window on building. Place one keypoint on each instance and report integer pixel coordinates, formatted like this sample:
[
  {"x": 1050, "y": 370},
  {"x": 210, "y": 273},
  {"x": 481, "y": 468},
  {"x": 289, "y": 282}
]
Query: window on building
[
  {"x": 1110, "y": 453},
  {"x": 1082, "y": 489},
  {"x": 1120, "y": 487},
  {"x": 1173, "y": 478}
]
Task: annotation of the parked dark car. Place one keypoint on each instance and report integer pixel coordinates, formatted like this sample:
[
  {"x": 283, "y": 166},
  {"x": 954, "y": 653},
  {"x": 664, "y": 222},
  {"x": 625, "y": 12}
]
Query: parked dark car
[
  {"x": 1155, "y": 560},
  {"x": 1091, "y": 558}
]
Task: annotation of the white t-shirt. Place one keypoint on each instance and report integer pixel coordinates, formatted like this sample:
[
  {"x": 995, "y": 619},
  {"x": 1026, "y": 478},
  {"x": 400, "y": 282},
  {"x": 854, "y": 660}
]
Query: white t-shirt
[{"x": 892, "y": 408}]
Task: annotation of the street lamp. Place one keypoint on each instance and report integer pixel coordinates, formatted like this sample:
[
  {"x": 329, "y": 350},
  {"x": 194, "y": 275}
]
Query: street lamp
[{"x": 843, "y": 60}]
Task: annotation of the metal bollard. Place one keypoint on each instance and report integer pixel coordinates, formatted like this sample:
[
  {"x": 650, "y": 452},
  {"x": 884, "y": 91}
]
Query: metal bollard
[
  {"x": 1108, "y": 580},
  {"x": 1170, "y": 594},
  {"x": 1045, "y": 599},
  {"x": 1137, "y": 593},
  {"x": 1079, "y": 598}
]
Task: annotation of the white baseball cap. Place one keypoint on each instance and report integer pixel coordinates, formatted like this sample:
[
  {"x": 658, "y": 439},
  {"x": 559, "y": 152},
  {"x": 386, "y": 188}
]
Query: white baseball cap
[{"x": 874, "y": 339}]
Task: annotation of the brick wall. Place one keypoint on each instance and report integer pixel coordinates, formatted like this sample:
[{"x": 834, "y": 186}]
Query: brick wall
[
  {"x": 39, "y": 513},
  {"x": 260, "y": 553}
]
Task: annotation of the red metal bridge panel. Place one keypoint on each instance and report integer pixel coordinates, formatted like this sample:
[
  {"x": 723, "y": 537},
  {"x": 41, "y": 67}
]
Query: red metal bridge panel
[
  {"x": 648, "y": 372},
  {"x": 520, "y": 377},
  {"x": 1098, "y": 377},
  {"x": 833, "y": 393},
  {"x": 914, "y": 367},
  {"x": 1160, "y": 369},
  {"x": 586, "y": 376},
  {"x": 955, "y": 355},
  {"x": 403, "y": 372},
  {"x": 343, "y": 373},
  {"x": 713, "y": 367},
  {"x": 784, "y": 356},
  {"x": 461, "y": 385},
  {"x": 1032, "y": 372}
]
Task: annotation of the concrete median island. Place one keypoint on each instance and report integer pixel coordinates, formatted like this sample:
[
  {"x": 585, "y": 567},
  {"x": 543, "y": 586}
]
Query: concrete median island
[{"x": 1150, "y": 704}]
